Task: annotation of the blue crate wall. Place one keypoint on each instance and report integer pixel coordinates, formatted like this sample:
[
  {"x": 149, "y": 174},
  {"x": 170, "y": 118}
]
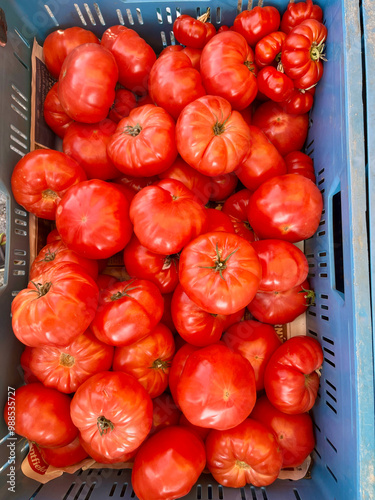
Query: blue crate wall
[{"x": 344, "y": 414}]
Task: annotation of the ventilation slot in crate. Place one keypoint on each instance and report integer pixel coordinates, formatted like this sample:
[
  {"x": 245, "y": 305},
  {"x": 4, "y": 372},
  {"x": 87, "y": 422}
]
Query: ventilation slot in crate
[{"x": 51, "y": 15}]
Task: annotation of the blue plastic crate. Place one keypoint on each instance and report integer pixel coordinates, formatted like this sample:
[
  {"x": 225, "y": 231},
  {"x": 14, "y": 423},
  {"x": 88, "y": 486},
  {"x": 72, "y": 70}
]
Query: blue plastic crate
[{"x": 344, "y": 457}]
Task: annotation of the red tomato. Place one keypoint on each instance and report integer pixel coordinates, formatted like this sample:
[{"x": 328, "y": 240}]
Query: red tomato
[
  {"x": 219, "y": 221},
  {"x": 274, "y": 84},
  {"x": 300, "y": 163},
  {"x": 104, "y": 281},
  {"x": 236, "y": 207},
  {"x": 60, "y": 43},
  {"x": 190, "y": 31},
  {"x": 37, "y": 317},
  {"x": 174, "y": 82},
  {"x": 156, "y": 478},
  {"x": 269, "y": 48},
  {"x": 194, "y": 55},
  {"x": 124, "y": 102},
  {"x": 134, "y": 57},
  {"x": 41, "y": 178},
  {"x": 262, "y": 162},
  {"x": 56, "y": 252},
  {"x": 177, "y": 366},
  {"x": 228, "y": 69},
  {"x": 294, "y": 433},
  {"x": 165, "y": 412},
  {"x": 256, "y": 342},
  {"x": 277, "y": 308},
  {"x": 66, "y": 368},
  {"x": 287, "y": 207},
  {"x": 220, "y": 272},
  {"x": 291, "y": 380},
  {"x": 287, "y": 132},
  {"x": 284, "y": 266},
  {"x": 113, "y": 413},
  {"x": 166, "y": 216},
  {"x": 167, "y": 314},
  {"x": 144, "y": 142},
  {"x": 53, "y": 113},
  {"x": 64, "y": 456},
  {"x": 298, "y": 12},
  {"x": 256, "y": 23},
  {"x": 142, "y": 263},
  {"x": 41, "y": 415},
  {"x": 90, "y": 72},
  {"x": 28, "y": 375},
  {"x": 123, "y": 458},
  {"x": 222, "y": 186},
  {"x": 299, "y": 102},
  {"x": 148, "y": 359},
  {"x": 211, "y": 146},
  {"x": 128, "y": 311},
  {"x": 52, "y": 236},
  {"x": 216, "y": 388},
  {"x": 93, "y": 219},
  {"x": 302, "y": 53},
  {"x": 202, "y": 432},
  {"x": 247, "y": 454},
  {"x": 136, "y": 183}
]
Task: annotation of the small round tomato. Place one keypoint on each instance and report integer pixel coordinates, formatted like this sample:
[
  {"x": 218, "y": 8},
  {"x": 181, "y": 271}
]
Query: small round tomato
[
  {"x": 64, "y": 456},
  {"x": 54, "y": 114},
  {"x": 236, "y": 207},
  {"x": 274, "y": 84},
  {"x": 300, "y": 163},
  {"x": 190, "y": 31},
  {"x": 299, "y": 102},
  {"x": 256, "y": 23}
]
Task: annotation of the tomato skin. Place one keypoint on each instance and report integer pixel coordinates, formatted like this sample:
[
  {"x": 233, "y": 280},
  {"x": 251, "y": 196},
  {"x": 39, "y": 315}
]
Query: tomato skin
[
  {"x": 65, "y": 368},
  {"x": 210, "y": 146},
  {"x": 113, "y": 413},
  {"x": 222, "y": 186},
  {"x": 166, "y": 216},
  {"x": 177, "y": 367},
  {"x": 36, "y": 310},
  {"x": 268, "y": 48},
  {"x": 128, "y": 311},
  {"x": 236, "y": 207},
  {"x": 54, "y": 114},
  {"x": 247, "y": 454},
  {"x": 299, "y": 102},
  {"x": 41, "y": 178},
  {"x": 274, "y": 84},
  {"x": 148, "y": 359},
  {"x": 52, "y": 236},
  {"x": 300, "y": 163},
  {"x": 135, "y": 183},
  {"x": 165, "y": 412},
  {"x": 256, "y": 342},
  {"x": 216, "y": 388},
  {"x": 155, "y": 478},
  {"x": 144, "y": 142},
  {"x": 219, "y": 221},
  {"x": 228, "y": 69},
  {"x": 262, "y": 162},
  {"x": 124, "y": 102},
  {"x": 220, "y": 272},
  {"x": 28, "y": 375},
  {"x": 296, "y": 208},
  {"x": 42, "y": 415},
  {"x": 60, "y": 43},
  {"x": 174, "y": 82},
  {"x": 294, "y": 433},
  {"x": 64, "y": 456},
  {"x": 256, "y": 23},
  {"x": 90, "y": 72},
  {"x": 290, "y": 380},
  {"x": 296, "y": 13},
  {"x": 190, "y": 32},
  {"x": 93, "y": 219},
  {"x": 202, "y": 432}
]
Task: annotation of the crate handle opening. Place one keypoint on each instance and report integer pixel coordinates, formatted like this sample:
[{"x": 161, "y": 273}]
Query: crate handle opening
[{"x": 338, "y": 242}]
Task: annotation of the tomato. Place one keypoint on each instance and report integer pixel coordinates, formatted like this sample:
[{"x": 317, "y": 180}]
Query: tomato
[
  {"x": 274, "y": 84},
  {"x": 299, "y": 102},
  {"x": 124, "y": 102},
  {"x": 228, "y": 69},
  {"x": 219, "y": 221},
  {"x": 28, "y": 375},
  {"x": 54, "y": 114},
  {"x": 174, "y": 82},
  {"x": 247, "y": 454},
  {"x": 125, "y": 459},
  {"x": 216, "y": 388},
  {"x": 167, "y": 314},
  {"x": 220, "y": 272},
  {"x": 52, "y": 236},
  {"x": 148, "y": 359},
  {"x": 302, "y": 53},
  {"x": 287, "y": 207},
  {"x": 300, "y": 163},
  {"x": 262, "y": 162},
  {"x": 177, "y": 366},
  {"x": 66, "y": 368},
  {"x": 190, "y": 31},
  {"x": 166, "y": 216},
  {"x": 165, "y": 412},
  {"x": 134, "y": 57},
  {"x": 135, "y": 183},
  {"x": 236, "y": 208},
  {"x": 93, "y": 219},
  {"x": 287, "y": 132},
  {"x": 60, "y": 43},
  {"x": 104, "y": 281},
  {"x": 64, "y": 456},
  {"x": 37, "y": 318},
  {"x": 194, "y": 55},
  {"x": 222, "y": 186},
  {"x": 291, "y": 380},
  {"x": 256, "y": 342},
  {"x": 41, "y": 415},
  {"x": 41, "y": 178},
  {"x": 284, "y": 266},
  {"x": 128, "y": 311},
  {"x": 211, "y": 137},
  {"x": 144, "y": 142},
  {"x": 168, "y": 464},
  {"x": 202, "y": 432},
  {"x": 268, "y": 49},
  {"x": 113, "y": 413},
  {"x": 90, "y": 72},
  {"x": 256, "y": 23},
  {"x": 298, "y": 12},
  {"x": 142, "y": 263},
  {"x": 294, "y": 433}
]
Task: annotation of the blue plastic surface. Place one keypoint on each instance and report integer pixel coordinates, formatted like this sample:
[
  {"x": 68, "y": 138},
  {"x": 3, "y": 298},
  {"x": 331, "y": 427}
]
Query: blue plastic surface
[{"x": 344, "y": 457}]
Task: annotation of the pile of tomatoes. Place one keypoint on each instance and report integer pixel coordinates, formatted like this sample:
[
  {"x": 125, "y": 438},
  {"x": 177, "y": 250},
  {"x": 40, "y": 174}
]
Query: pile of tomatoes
[{"x": 189, "y": 167}]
